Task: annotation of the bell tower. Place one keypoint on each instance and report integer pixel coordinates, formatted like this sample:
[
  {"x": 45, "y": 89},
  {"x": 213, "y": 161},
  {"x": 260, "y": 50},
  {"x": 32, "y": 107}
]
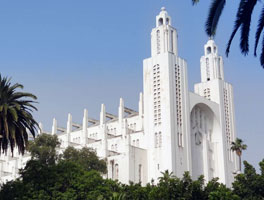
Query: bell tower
[
  {"x": 166, "y": 108},
  {"x": 164, "y": 36},
  {"x": 211, "y": 63},
  {"x": 214, "y": 88}
]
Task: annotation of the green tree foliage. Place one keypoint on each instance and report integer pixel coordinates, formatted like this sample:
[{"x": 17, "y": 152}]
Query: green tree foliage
[
  {"x": 50, "y": 176},
  {"x": 77, "y": 175},
  {"x": 43, "y": 148},
  {"x": 85, "y": 157},
  {"x": 242, "y": 22},
  {"x": 250, "y": 185},
  {"x": 16, "y": 120},
  {"x": 65, "y": 180}
]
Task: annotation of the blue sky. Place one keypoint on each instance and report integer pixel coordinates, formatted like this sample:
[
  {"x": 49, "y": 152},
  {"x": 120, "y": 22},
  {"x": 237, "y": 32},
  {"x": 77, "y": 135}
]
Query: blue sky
[{"x": 79, "y": 54}]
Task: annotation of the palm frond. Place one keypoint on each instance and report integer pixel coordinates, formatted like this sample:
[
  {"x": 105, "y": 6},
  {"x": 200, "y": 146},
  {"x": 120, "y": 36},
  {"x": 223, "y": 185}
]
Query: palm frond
[
  {"x": 259, "y": 30},
  {"x": 245, "y": 28},
  {"x": 16, "y": 120},
  {"x": 195, "y": 2},
  {"x": 215, "y": 12},
  {"x": 262, "y": 54},
  {"x": 243, "y": 19}
]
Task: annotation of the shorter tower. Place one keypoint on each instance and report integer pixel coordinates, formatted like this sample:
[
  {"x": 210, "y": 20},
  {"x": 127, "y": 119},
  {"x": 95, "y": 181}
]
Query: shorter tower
[{"x": 214, "y": 88}]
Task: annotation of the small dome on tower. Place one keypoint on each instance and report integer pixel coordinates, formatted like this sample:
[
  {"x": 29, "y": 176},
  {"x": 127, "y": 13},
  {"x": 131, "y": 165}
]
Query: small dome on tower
[
  {"x": 163, "y": 18},
  {"x": 210, "y": 47}
]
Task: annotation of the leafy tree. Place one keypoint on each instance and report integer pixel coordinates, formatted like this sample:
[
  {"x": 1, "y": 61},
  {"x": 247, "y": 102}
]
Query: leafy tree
[
  {"x": 43, "y": 148},
  {"x": 223, "y": 193},
  {"x": 249, "y": 185},
  {"x": 242, "y": 22},
  {"x": 16, "y": 120},
  {"x": 46, "y": 176},
  {"x": 85, "y": 157},
  {"x": 65, "y": 180},
  {"x": 238, "y": 147}
]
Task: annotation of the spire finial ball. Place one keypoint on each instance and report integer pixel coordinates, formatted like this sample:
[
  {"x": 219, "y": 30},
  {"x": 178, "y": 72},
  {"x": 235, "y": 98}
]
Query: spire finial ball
[{"x": 163, "y": 9}]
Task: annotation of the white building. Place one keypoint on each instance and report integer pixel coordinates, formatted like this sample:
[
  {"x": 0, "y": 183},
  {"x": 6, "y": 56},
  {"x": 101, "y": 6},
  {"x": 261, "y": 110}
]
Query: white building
[{"x": 173, "y": 129}]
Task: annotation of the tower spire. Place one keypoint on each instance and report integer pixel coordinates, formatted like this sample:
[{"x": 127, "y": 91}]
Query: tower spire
[
  {"x": 163, "y": 36},
  {"x": 211, "y": 62}
]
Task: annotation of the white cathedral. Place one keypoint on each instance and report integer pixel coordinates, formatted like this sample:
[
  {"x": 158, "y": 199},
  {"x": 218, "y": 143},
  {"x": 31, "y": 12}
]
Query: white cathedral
[{"x": 174, "y": 129}]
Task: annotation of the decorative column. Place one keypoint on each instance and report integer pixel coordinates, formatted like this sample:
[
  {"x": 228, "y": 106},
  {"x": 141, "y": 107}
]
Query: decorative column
[
  {"x": 69, "y": 129},
  {"x": 84, "y": 127},
  {"x": 54, "y": 127},
  {"x": 141, "y": 110},
  {"x": 103, "y": 131}
]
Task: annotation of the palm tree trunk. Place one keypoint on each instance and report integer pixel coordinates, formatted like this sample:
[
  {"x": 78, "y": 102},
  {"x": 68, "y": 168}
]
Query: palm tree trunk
[{"x": 239, "y": 163}]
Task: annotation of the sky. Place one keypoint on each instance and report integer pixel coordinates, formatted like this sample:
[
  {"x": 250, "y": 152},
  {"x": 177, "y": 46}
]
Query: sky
[{"x": 80, "y": 54}]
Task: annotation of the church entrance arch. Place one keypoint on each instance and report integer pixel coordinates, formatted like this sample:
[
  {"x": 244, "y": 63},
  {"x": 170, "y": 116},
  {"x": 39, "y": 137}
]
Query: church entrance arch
[{"x": 204, "y": 130}]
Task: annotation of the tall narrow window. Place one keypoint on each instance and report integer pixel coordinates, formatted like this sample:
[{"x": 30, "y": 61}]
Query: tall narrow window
[
  {"x": 160, "y": 139},
  {"x": 158, "y": 42},
  {"x": 112, "y": 168},
  {"x": 160, "y": 21},
  {"x": 116, "y": 171},
  {"x": 207, "y": 69},
  {"x": 179, "y": 139},
  {"x": 219, "y": 68},
  {"x": 171, "y": 41},
  {"x": 156, "y": 140},
  {"x": 140, "y": 173}
]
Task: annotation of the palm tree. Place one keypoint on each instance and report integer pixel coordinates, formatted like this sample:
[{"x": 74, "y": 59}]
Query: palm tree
[
  {"x": 238, "y": 147},
  {"x": 16, "y": 120},
  {"x": 243, "y": 21},
  {"x": 166, "y": 176}
]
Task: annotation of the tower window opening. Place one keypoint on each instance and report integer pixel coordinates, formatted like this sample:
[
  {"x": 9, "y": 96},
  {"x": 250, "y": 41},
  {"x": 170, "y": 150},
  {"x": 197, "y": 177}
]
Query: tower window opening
[
  {"x": 209, "y": 50},
  {"x": 214, "y": 49},
  {"x": 167, "y": 21},
  {"x": 160, "y": 21}
]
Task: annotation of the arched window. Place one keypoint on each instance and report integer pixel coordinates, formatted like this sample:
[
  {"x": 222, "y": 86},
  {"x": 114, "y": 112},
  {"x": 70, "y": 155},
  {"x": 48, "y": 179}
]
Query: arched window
[
  {"x": 137, "y": 143},
  {"x": 209, "y": 50},
  {"x": 160, "y": 21},
  {"x": 167, "y": 21}
]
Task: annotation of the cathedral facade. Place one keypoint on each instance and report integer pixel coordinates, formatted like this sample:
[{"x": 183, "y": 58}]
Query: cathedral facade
[{"x": 174, "y": 129}]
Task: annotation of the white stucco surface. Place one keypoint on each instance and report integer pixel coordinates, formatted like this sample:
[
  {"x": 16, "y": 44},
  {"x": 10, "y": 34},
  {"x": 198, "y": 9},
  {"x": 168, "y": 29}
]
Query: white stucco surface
[{"x": 173, "y": 129}]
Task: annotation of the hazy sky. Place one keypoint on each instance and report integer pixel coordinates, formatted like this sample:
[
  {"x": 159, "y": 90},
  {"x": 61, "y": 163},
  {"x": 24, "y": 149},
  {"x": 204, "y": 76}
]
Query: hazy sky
[{"x": 79, "y": 54}]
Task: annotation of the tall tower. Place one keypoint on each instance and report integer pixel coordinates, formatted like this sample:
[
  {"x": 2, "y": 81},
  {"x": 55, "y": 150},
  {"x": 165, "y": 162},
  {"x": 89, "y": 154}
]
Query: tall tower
[
  {"x": 214, "y": 88},
  {"x": 166, "y": 108}
]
